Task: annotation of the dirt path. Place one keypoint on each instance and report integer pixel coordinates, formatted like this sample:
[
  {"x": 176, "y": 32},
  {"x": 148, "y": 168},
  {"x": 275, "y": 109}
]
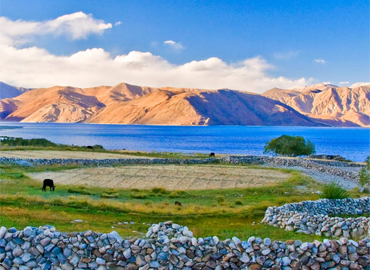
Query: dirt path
[
  {"x": 170, "y": 177},
  {"x": 63, "y": 155}
]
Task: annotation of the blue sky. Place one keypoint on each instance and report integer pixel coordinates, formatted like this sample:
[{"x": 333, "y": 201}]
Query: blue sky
[{"x": 242, "y": 45}]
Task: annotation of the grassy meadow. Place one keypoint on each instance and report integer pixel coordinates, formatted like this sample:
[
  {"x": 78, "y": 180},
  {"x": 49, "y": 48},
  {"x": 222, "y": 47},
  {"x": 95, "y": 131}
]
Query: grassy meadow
[{"x": 103, "y": 207}]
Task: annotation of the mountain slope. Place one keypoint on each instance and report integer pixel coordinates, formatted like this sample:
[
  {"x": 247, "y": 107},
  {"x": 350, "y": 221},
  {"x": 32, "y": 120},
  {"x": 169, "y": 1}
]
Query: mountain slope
[
  {"x": 128, "y": 104},
  {"x": 8, "y": 91},
  {"x": 338, "y": 106}
]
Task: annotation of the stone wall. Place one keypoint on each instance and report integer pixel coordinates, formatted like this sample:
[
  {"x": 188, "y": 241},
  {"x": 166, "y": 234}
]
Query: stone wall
[
  {"x": 325, "y": 166},
  {"x": 171, "y": 246},
  {"x": 313, "y": 217}
]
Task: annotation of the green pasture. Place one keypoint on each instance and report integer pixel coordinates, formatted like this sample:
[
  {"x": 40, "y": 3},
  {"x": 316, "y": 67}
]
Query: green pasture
[{"x": 225, "y": 213}]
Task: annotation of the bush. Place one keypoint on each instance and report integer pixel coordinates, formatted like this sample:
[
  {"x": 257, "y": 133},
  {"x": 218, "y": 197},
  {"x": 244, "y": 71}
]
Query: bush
[
  {"x": 11, "y": 141},
  {"x": 364, "y": 177},
  {"x": 98, "y": 147},
  {"x": 220, "y": 199},
  {"x": 177, "y": 194},
  {"x": 139, "y": 195},
  {"x": 290, "y": 146},
  {"x": 239, "y": 202},
  {"x": 159, "y": 190},
  {"x": 334, "y": 191}
]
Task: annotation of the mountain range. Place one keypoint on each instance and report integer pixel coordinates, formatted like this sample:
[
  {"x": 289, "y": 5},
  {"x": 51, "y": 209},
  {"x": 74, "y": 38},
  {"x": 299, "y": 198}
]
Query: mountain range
[
  {"x": 328, "y": 104},
  {"x": 317, "y": 105}
]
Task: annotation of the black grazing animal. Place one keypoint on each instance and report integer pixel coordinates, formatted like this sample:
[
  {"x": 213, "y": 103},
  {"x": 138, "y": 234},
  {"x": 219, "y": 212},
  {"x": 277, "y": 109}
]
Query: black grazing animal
[
  {"x": 48, "y": 183},
  {"x": 90, "y": 147},
  {"x": 178, "y": 203},
  {"x": 212, "y": 154}
]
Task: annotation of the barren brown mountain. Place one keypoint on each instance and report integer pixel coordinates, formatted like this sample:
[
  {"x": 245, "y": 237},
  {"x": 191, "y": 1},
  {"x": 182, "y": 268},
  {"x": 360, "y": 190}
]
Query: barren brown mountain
[
  {"x": 128, "y": 104},
  {"x": 329, "y": 104}
]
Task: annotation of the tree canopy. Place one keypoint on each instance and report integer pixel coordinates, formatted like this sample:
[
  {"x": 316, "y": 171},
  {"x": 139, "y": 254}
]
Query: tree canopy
[{"x": 291, "y": 146}]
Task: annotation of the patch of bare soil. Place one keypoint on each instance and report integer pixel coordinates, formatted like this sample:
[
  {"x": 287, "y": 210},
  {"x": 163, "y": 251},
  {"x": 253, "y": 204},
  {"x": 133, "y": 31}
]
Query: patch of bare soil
[{"x": 170, "y": 177}]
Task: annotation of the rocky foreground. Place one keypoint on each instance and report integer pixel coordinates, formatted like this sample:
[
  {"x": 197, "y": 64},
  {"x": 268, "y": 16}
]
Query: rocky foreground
[{"x": 171, "y": 246}]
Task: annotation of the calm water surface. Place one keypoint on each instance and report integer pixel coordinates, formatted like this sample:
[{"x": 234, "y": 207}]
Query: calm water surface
[{"x": 351, "y": 143}]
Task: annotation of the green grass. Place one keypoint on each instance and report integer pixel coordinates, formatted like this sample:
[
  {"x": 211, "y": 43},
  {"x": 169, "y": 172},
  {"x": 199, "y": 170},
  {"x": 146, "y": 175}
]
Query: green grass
[
  {"x": 334, "y": 191},
  {"x": 225, "y": 213}
]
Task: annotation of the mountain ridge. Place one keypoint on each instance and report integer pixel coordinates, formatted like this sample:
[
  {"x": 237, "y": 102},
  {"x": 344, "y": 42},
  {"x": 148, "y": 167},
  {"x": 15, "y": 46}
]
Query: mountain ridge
[
  {"x": 131, "y": 104},
  {"x": 328, "y": 104}
]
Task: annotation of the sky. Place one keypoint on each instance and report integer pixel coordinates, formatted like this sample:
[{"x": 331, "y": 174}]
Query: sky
[{"x": 249, "y": 45}]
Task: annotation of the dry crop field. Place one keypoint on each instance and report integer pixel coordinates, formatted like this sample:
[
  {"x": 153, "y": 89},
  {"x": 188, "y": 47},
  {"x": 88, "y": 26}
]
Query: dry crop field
[{"x": 170, "y": 177}]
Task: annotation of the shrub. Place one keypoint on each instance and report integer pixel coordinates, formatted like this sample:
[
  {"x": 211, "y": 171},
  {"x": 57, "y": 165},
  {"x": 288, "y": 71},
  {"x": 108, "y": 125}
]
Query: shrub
[
  {"x": 11, "y": 141},
  {"x": 239, "y": 202},
  {"x": 364, "y": 177},
  {"x": 177, "y": 194},
  {"x": 159, "y": 190},
  {"x": 98, "y": 147},
  {"x": 290, "y": 146},
  {"x": 139, "y": 195},
  {"x": 334, "y": 191},
  {"x": 220, "y": 199}
]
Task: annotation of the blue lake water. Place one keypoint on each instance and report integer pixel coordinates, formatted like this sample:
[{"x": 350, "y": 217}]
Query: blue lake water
[{"x": 351, "y": 143}]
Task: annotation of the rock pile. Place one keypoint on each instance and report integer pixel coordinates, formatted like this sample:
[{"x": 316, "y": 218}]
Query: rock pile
[
  {"x": 313, "y": 217},
  {"x": 171, "y": 246}
]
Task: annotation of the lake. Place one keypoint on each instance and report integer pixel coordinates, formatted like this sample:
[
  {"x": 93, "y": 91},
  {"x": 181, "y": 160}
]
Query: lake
[{"x": 351, "y": 143}]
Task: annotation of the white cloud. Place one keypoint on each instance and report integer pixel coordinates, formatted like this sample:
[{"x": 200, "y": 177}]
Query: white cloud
[
  {"x": 174, "y": 45},
  {"x": 359, "y": 84},
  {"x": 75, "y": 26},
  {"x": 35, "y": 67},
  {"x": 342, "y": 83},
  {"x": 320, "y": 61},
  {"x": 286, "y": 55},
  {"x": 117, "y": 23}
]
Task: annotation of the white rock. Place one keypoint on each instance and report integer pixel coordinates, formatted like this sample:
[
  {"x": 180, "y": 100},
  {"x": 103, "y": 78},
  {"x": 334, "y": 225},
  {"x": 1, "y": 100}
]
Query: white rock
[{"x": 3, "y": 231}]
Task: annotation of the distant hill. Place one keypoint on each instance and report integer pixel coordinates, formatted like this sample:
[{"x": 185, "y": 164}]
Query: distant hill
[
  {"x": 328, "y": 104},
  {"x": 8, "y": 91},
  {"x": 129, "y": 104}
]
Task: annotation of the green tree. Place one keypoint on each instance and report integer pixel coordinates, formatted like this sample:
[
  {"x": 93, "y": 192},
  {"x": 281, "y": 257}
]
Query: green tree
[{"x": 291, "y": 146}]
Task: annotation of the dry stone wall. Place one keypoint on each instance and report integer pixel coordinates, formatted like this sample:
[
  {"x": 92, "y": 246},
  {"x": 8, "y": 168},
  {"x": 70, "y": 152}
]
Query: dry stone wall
[
  {"x": 171, "y": 246},
  {"x": 316, "y": 217}
]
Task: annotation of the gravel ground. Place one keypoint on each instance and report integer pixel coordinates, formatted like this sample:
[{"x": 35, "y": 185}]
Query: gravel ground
[{"x": 324, "y": 178}]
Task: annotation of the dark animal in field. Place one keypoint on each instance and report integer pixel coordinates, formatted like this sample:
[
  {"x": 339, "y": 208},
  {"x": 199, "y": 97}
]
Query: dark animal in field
[
  {"x": 178, "y": 203},
  {"x": 90, "y": 147},
  {"x": 212, "y": 154},
  {"x": 48, "y": 183}
]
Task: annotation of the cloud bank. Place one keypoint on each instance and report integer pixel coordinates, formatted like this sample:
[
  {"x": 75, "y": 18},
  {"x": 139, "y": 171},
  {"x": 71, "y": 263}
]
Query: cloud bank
[{"x": 36, "y": 67}]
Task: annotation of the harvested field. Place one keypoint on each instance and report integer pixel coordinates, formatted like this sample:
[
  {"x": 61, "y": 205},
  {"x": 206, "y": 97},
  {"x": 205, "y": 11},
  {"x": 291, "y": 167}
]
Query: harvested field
[
  {"x": 170, "y": 177},
  {"x": 63, "y": 155}
]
